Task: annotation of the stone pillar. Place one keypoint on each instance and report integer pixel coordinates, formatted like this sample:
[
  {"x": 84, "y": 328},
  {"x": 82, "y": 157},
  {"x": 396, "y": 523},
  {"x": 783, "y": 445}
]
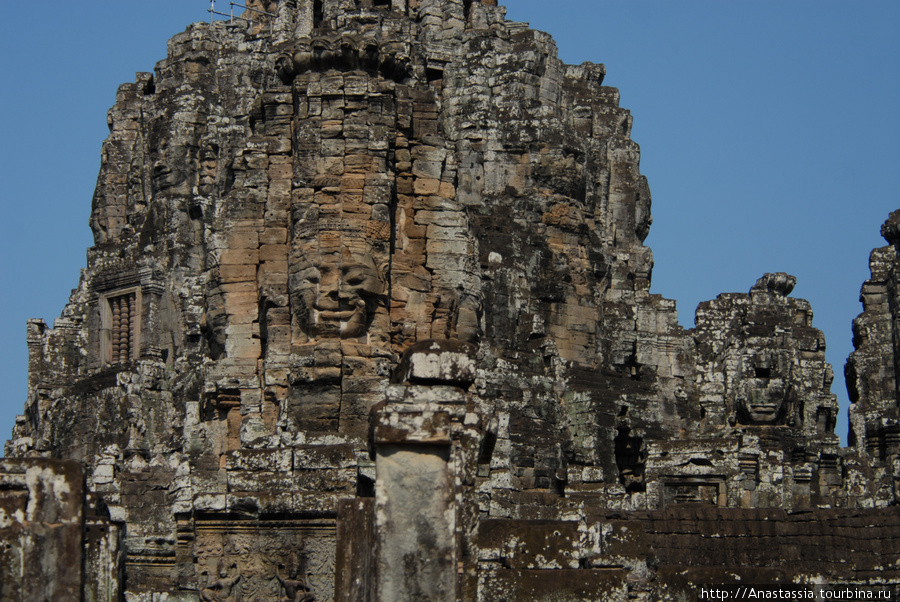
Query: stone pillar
[
  {"x": 355, "y": 572},
  {"x": 41, "y": 529},
  {"x": 304, "y": 19},
  {"x": 418, "y": 459},
  {"x": 104, "y": 560},
  {"x": 36, "y": 336}
]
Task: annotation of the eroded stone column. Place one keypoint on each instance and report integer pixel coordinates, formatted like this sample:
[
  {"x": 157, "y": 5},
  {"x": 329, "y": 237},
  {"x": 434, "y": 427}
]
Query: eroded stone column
[
  {"x": 41, "y": 529},
  {"x": 415, "y": 523},
  {"x": 417, "y": 431}
]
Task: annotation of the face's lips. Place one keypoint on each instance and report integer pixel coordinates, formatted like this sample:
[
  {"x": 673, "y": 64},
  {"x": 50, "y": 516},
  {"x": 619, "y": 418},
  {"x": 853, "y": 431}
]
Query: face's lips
[
  {"x": 764, "y": 411},
  {"x": 335, "y": 316}
]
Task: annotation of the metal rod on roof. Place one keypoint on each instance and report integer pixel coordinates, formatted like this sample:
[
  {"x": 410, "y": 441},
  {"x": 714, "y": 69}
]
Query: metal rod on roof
[
  {"x": 232, "y": 16},
  {"x": 212, "y": 11},
  {"x": 255, "y": 10}
]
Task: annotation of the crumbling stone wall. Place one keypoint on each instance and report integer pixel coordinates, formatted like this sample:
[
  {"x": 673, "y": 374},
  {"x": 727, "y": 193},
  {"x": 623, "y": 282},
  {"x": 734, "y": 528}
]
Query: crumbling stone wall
[
  {"x": 367, "y": 316},
  {"x": 54, "y": 545}
]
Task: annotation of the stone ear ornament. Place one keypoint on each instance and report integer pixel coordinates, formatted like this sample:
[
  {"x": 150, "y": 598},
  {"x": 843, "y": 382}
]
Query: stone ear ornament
[{"x": 779, "y": 283}]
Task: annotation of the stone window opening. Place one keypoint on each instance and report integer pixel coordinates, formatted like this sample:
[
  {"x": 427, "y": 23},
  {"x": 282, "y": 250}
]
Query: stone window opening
[
  {"x": 149, "y": 87},
  {"x": 318, "y": 13},
  {"x": 488, "y": 444},
  {"x": 120, "y": 326},
  {"x": 630, "y": 460},
  {"x": 435, "y": 77},
  {"x": 823, "y": 422}
]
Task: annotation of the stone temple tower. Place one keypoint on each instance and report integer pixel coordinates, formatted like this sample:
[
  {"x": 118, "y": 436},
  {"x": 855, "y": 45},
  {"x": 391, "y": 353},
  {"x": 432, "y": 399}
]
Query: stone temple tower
[{"x": 367, "y": 317}]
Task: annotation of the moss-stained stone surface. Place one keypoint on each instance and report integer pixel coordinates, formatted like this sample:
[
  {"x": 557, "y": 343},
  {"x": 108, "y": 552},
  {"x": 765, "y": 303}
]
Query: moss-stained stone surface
[{"x": 367, "y": 316}]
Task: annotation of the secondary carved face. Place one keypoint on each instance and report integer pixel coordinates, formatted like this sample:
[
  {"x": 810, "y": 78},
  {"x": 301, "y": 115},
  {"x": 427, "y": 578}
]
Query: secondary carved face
[
  {"x": 763, "y": 395},
  {"x": 336, "y": 295},
  {"x": 761, "y": 403},
  {"x": 170, "y": 167}
]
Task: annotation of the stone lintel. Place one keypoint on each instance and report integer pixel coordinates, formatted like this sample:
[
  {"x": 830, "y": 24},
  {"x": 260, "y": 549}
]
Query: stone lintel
[
  {"x": 405, "y": 427},
  {"x": 433, "y": 362}
]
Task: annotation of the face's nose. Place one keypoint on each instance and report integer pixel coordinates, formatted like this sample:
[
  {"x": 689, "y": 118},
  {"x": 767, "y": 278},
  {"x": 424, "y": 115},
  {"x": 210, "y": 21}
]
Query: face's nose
[{"x": 329, "y": 289}]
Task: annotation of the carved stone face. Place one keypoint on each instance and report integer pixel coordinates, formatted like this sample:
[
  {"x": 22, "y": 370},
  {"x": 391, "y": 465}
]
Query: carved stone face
[
  {"x": 336, "y": 295},
  {"x": 761, "y": 403},
  {"x": 170, "y": 165},
  {"x": 763, "y": 394}
]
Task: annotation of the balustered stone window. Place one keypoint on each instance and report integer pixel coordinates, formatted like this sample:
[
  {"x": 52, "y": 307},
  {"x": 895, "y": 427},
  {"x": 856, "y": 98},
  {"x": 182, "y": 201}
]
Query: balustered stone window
[{"x": 120, "y": 326}]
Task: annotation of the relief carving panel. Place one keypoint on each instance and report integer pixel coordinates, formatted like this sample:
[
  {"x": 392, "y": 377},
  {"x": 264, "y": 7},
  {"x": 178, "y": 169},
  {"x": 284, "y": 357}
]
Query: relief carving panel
[{"x": 265, "y": 561}]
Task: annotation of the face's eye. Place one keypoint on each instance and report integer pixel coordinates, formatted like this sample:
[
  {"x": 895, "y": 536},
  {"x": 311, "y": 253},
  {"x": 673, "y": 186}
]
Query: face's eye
[
  {"x": 310, "y": 275},
  {"x": 355, "y": 276}
]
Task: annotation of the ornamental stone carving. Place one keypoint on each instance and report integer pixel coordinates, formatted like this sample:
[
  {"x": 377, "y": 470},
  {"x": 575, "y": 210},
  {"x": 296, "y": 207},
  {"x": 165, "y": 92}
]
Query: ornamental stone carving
[{"x": 368, "y": 316}]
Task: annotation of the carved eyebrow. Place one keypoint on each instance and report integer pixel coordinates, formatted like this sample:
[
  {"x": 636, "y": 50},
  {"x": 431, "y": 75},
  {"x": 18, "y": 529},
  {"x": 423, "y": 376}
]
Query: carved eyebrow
[
  {"x": 352, "y": 266},
  {"x": 347, "y": 269},
  {"x": 309, "y": 272}
]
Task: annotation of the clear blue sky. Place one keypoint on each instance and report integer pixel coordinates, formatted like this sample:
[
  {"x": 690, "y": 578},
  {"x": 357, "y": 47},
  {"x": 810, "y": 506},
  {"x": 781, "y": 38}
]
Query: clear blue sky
[{"x": 769, "y": 129}]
